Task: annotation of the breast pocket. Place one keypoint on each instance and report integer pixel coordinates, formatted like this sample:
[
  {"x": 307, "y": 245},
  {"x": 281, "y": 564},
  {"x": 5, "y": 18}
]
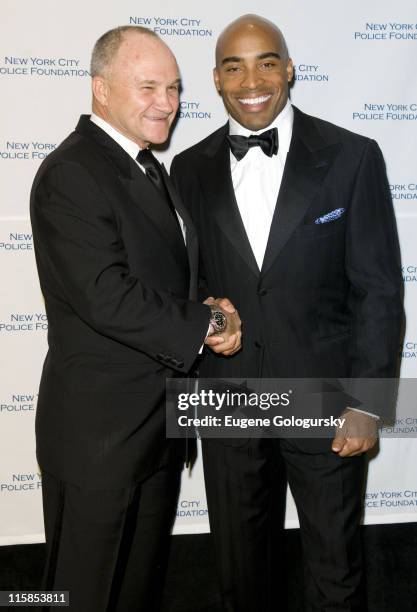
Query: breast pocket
[{"x": 320, "y": 230}]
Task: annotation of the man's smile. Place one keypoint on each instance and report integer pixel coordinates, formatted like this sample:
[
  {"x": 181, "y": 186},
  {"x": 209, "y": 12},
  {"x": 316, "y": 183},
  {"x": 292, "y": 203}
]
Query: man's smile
[{"x": 254, "y": 104}]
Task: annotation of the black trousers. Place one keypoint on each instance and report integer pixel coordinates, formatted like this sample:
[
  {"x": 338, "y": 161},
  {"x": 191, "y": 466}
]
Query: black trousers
[
  {"x": 109, "y": 548},
  {"x": 246, "y": 496}
]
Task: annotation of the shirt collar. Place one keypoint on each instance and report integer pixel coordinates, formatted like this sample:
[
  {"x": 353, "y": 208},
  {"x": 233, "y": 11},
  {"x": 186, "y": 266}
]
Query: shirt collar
[
  {"x": 283, "y": 122},
  {"x": 128, "y": 145}
]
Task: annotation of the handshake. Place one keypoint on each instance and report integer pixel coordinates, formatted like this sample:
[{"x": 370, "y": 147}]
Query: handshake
[{"x": 228, "y": 341}]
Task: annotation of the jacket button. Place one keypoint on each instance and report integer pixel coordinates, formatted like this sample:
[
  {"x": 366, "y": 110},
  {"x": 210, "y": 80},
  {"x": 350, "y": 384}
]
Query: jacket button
[
  {"x": 180, "y": 364},
  {"x": 257, "y": 344},
  {"x": 262, "y": 292}
]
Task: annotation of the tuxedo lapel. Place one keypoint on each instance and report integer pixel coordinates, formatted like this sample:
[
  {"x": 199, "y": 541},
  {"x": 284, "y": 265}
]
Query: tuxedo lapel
[
  {"x": 176, "y": 200},
  {"x": 218, "y": 189},
  {"x": 152, "y": 203},
  {"x": 308, "y": 162},
  {"x": 137, "y": 186},
  {"x": 190, "y": 233}
]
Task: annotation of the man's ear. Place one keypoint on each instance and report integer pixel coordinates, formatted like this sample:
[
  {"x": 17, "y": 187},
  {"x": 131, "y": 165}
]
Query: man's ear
[
  {"x": 290, "y": 70},
  {"x": 216, "y": 78},
  {"x": 100, "y": 89}
]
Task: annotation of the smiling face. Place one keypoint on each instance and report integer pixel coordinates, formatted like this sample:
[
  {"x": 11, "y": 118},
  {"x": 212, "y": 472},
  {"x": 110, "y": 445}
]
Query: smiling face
[
  {"x": 139, "y": 92},
  {"x": 253, "y": 72}
]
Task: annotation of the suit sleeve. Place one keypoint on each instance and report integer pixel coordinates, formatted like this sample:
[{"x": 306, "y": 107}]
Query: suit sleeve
[
  {"x": 78, "y": 243},
  {"x": 373, "y": 266}
]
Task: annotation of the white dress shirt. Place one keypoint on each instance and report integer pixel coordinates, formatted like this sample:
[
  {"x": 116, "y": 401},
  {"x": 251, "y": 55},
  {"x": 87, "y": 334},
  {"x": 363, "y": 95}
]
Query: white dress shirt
[
  {"x": 257, "y": 180},
  {"x": 130, "y": 147}
]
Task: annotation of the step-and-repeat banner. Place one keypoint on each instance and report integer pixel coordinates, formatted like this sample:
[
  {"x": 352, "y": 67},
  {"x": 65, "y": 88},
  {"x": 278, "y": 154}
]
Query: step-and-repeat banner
[{"x": 355, "y": 66}]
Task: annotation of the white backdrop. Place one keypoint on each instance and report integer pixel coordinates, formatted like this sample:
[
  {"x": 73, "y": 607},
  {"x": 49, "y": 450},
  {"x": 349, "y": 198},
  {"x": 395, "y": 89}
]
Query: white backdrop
[{"x": 355, "y": 65}]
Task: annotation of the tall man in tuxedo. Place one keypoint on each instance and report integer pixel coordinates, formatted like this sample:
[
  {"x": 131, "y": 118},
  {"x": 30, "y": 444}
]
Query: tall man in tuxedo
[
  {"x": 296, "y": 226},
  {"x": 117, "y": 259}
]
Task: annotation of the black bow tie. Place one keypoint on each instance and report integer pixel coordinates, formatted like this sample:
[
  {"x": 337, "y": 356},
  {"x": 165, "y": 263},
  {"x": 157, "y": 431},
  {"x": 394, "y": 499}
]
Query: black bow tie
[{"x": 268, "y": 141}]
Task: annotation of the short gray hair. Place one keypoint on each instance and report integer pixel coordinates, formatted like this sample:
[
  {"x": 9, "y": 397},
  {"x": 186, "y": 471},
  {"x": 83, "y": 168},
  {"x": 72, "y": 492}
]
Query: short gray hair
[{"x": 108, "y": 44}]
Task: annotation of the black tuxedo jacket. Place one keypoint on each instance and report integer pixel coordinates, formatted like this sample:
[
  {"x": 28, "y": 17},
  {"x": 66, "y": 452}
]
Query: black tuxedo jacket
[
  {"x": 327, "y": 301},
  {"x": 119, "y": 286}
]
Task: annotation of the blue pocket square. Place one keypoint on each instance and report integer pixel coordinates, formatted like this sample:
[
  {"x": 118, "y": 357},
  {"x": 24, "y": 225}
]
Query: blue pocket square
[{"x": 331, "y": 216}]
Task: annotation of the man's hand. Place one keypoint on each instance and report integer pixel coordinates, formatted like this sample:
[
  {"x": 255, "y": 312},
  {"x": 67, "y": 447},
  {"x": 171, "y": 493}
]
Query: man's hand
[
  {"x": 358, "y": 434},
  {"x": 229, "y": 342}
]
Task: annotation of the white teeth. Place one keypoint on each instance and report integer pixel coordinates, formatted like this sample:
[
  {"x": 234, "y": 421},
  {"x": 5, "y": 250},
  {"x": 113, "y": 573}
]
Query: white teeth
[{"x": 253, "y": 101}]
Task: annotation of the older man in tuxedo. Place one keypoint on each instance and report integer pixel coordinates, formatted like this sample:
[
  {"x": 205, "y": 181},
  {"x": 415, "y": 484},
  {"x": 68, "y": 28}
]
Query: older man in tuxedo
[
  {"x": 296, "y": 226},
  {"x": 117, "y": 258}
]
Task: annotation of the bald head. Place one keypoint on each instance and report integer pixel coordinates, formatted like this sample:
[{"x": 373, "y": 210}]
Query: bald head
[
  {"x": 253, "y": 71},
  {"x": 246, "y": 25}
]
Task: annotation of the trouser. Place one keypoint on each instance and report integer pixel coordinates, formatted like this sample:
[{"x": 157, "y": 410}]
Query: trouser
[
  {"x": 245, "y": 494},
  {"x": 109, "y": 548}
]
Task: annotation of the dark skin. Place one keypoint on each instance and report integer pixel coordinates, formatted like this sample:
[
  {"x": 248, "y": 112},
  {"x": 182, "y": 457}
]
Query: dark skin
[
  {"x": 253, "y": 71},
  {"x": 252, "y": 74}
]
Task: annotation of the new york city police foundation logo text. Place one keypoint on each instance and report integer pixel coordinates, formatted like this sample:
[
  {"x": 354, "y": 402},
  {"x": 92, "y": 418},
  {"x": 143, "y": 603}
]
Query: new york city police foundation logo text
[
  {"x": 173, "y": 26},
  {"x": 42, "y": 66},
  {"x": 26, "y": 150},
  {"x": 391, "y": 30}
]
